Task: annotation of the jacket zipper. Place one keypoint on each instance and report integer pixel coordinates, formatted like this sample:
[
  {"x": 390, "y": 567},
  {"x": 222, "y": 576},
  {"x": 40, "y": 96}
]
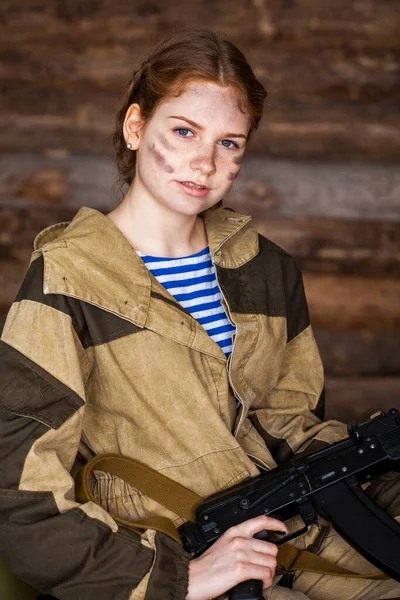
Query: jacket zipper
[
  {"x": 226, "y": 308},
  {"x": 255, "y": 458}
]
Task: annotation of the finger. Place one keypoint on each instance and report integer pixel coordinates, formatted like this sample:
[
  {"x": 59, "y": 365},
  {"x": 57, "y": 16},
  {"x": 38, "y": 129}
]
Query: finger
[
  {"x": 241, "y": 545},
  {"x": 257, "y": 558},
  {"x": 253, "y": 571},
  {"x": 263, "y": 547},
  {"x": 252, "y": 526}
]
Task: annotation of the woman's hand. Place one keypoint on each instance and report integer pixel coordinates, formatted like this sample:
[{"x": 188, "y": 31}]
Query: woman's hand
[{"x": 234, "y": 558}]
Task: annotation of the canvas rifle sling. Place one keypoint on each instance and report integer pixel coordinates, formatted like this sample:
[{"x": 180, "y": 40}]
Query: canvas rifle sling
[{"x": 183, "y": 502}]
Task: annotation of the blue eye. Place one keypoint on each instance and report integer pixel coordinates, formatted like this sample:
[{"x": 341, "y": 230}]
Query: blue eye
[
  {"x": 180, "y": 129},
  {"x": 229, "y": 142}
]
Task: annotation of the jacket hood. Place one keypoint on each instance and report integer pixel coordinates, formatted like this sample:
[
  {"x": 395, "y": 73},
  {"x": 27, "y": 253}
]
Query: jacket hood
[
  {"x": 89, "y": 258},
  {"x": 49, "y": 234},
  {"x": 220, "y": 223}
]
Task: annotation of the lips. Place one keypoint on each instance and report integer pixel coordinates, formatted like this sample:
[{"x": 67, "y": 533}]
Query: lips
[
  {"x": 193, "y": 191},
  {"x": 195, "y": 183}
]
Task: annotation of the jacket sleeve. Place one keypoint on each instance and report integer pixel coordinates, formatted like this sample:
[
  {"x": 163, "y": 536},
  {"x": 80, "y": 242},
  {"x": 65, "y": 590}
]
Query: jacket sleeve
[
  {"x": 49, "y": 540},
  {"x": 290, "y": 417}
]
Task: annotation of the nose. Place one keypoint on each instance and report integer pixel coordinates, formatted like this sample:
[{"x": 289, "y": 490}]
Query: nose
[{"x": 204, "y": 160}]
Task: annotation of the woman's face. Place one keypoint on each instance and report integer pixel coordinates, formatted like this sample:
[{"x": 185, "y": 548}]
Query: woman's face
[{"x": 199, "y": 137}]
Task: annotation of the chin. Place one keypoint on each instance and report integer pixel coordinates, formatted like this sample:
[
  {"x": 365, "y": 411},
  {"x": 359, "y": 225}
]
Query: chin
[
  {"x": 191, "y": 211},
  {"x": 190, "y": 207}
]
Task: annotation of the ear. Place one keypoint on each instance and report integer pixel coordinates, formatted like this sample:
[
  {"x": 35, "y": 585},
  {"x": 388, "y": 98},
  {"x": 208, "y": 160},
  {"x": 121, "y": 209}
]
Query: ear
[{"x": 132, "y": 126}]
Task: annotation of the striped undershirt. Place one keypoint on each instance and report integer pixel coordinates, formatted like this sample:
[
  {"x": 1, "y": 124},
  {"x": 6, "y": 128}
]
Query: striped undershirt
[{"x": 192, "y": 282}]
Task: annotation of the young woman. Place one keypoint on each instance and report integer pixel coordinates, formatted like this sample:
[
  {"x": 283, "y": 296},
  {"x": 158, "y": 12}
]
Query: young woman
[{"x": 168, "y": 331}]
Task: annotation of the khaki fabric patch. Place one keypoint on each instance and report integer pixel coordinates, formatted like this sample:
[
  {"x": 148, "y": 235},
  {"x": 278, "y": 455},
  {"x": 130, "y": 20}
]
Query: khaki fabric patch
[
  {"x": 49, "y": 460},
  {"x": 284, "y": 412},
  {"x": 45, "y": 336},
  {"x": 154, "y": 417},
  {"x": 264, "y": 339}
]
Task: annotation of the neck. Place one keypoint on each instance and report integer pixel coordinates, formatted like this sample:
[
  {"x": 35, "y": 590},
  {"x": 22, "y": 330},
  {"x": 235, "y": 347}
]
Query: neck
[{"x": 154, "y": 230}]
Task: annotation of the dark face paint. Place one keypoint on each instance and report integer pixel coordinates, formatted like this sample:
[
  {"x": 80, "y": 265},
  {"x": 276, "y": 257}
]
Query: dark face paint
[
  {"x": 233, "y": 175},
  {"x": 165, "y": 143},
  {"x": 238, "y": 159},
  {"x": 160, "y": 160}
]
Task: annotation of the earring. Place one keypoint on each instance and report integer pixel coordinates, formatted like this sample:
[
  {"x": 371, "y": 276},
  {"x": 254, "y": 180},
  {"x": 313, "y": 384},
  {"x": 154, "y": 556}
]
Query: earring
[{"x": 129, "y": 146}]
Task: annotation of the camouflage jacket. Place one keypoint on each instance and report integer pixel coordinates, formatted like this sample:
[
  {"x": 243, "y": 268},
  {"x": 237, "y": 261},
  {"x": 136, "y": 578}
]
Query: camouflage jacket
[{"x": 97, "y": 357}]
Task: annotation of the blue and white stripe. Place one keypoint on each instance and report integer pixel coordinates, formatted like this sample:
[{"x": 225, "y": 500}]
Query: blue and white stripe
[{"x": 191, "y": 280}]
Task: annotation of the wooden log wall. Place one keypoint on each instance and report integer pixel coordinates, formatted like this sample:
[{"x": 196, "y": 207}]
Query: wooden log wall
[{"x": 321, "y": 177}]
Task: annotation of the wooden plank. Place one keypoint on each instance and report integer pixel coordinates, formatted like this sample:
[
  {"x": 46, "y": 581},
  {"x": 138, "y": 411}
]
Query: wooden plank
[
  {"x": 265, "y": 188},
  {"x": 367, "y": 248},
  {"x": 301, "y": 188},
  {"x": 351, "y": 399},
  {"x": 95, "y": 44},
  {"x": 359, "y": 353},
  {"x": 331, "y": 69},
  {"x": 352, "y": 302},
  {"x": 28, "y": 180}
]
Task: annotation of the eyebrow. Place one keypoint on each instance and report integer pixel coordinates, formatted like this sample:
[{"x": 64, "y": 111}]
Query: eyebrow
[{"x": 193, "y": 124}]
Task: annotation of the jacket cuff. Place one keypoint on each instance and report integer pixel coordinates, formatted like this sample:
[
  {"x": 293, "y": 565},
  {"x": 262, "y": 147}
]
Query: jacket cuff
[{"x": 170, "y": 572}]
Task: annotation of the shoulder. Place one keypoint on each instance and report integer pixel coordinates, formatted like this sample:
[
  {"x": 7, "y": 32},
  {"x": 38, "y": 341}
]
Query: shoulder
[
  {"x": 258, "y": 257},
  {"x": 269, "y": 247},
  {"x": 270, "y": 251},
  {"x": 32, "y": 297},
  {"x": 273, "y": 261},
  {"x": 266, "y": 246}
]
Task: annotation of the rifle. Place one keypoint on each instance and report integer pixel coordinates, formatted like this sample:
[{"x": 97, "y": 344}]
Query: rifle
[{"x": 326, "y": 482}]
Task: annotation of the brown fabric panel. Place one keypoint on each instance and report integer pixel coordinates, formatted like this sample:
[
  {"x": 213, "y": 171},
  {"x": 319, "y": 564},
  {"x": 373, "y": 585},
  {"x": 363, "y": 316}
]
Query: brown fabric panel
[
  {"x": 101, "y": 326},
  {"x": 169, "y": 577},
  {"x": 298, "y": 318},
  {"x": 279, "y": 448},
  {"x": 269, "y": 284},
  {"x": 68, "y": 555},
  {"x": 32, "y": 285},
  {"x": 17, "y": 434},
  {"x": 319, "y": 410},
  {"x": 28, "y": 390},
  {"x": 93, "y": 325}
]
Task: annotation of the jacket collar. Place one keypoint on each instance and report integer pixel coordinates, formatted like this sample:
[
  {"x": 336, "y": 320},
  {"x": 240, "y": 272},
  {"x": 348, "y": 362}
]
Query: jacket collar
[{"x": 90, "y": 259}]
